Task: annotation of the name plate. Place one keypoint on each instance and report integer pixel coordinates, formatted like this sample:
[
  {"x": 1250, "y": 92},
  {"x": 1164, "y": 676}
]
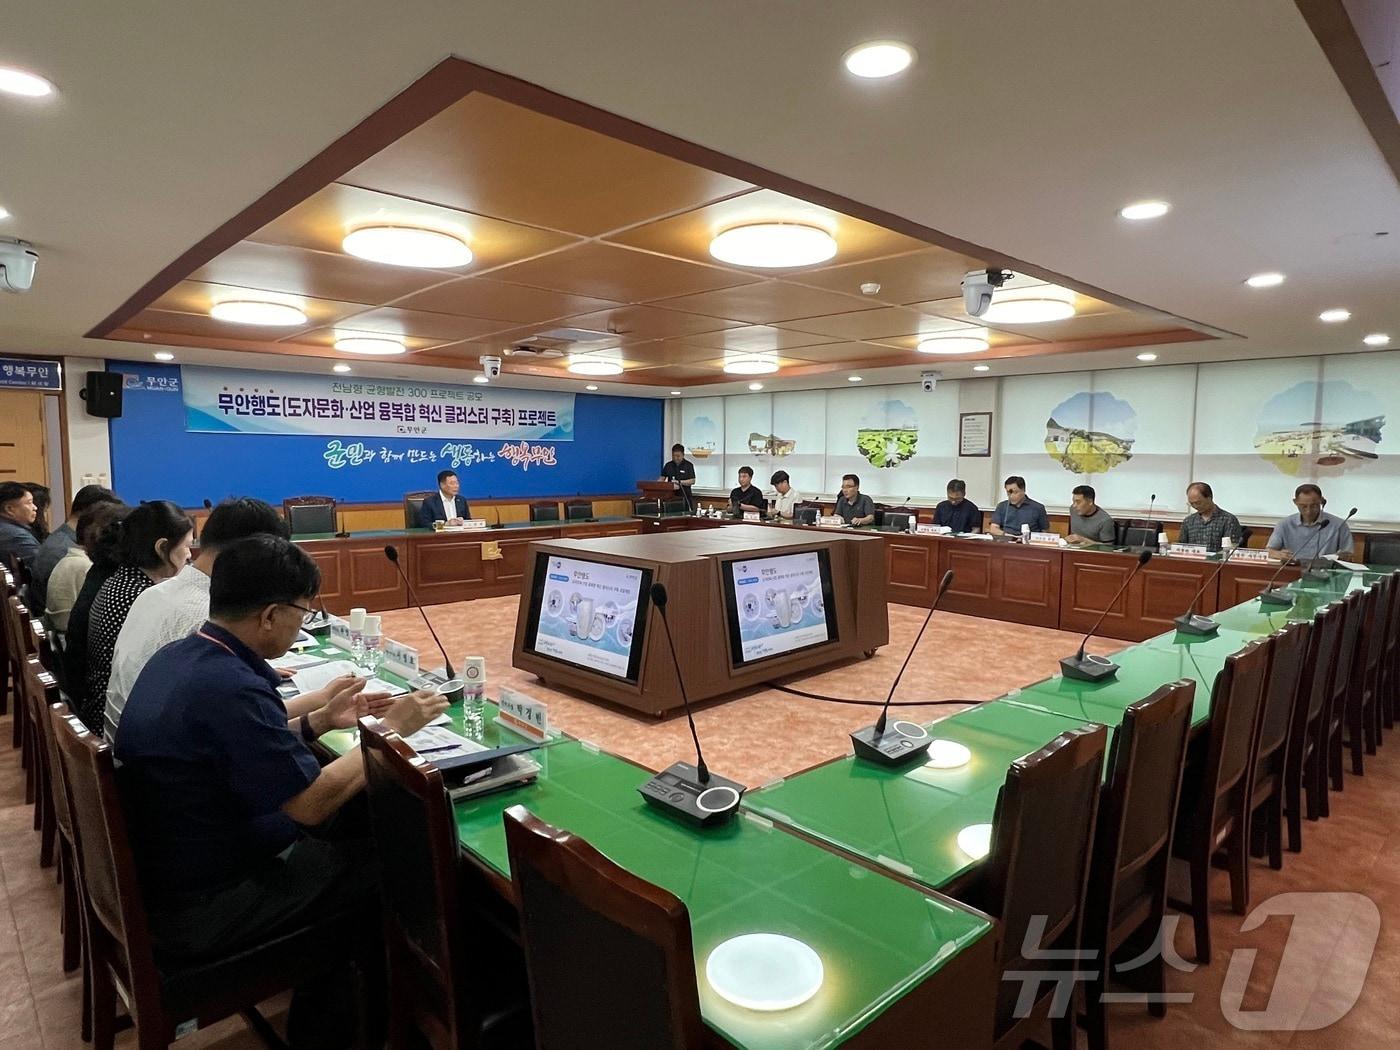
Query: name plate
[
  {"x": 1051, "y": 539},
  {"x": 924, "y": 528},
  {"x": 340, "y": 633},
  {"x": 401, "y": 659},
  {"x": 467, "y": 525},
  {"x": 1256, "y": 554},
  {"x": 752, "y": 515},
  {"x": 831, "y": 521},
  {"x": 523, "y": 715},
  {"x": 1187, "y": 550}
]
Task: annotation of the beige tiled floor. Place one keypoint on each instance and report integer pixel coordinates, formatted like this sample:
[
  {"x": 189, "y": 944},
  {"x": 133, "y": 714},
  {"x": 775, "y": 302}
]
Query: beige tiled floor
[{"x": 1356, "y": 851}]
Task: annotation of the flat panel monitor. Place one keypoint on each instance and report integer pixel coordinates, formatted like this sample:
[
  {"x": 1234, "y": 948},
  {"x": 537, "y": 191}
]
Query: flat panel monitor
[
  {"x": 589, "y": 614},
  {"x": 778, "y": 604}
]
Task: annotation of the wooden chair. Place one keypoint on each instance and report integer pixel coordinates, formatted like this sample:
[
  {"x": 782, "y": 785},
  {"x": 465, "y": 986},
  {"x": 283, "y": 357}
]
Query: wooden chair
[
  {"x": 1390, "y": 664},
  {"x": 1127, "y": 899},
  {"x": 1212, "y": 812},
  {"x": 1035, "y": 876},
  {"x": 1383, "y": 549},
  {"x": 16, "y": 615},
  {"x": 646, "y": 508},
  {"x": 1305, "y": 762},
  {"x": 310, "y": 514},
  {"x": 412, "y": 505},
  {"x": 74, "y": 907},
  {"x": 578, "y": 509},
  {"x": 438, "y": 991},
  {"x": 7, "y": 588},
  {"x": 674, "y": 506},
  {"x": 609, "y": 955},
  {"x": 1347, "y": 652},
  {"x": 165, "y": 1002},
  {"x": 1377, "y": 650},
  {"x": 1278, "y": 714},
  {"x": 1357, "y": 732},
  {"x": 40, "y": 690}
]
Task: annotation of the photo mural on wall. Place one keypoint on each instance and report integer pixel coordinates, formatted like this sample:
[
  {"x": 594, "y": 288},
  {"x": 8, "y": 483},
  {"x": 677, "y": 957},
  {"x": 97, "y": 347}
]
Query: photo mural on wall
[
  {"x": 1091, "y": 433},
  {"x": 1298, "y": 437},
  {"x": 888, "y": 434}
]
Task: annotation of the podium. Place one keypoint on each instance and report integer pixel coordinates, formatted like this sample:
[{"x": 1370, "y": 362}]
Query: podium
[{"x": 658, "y": 491}]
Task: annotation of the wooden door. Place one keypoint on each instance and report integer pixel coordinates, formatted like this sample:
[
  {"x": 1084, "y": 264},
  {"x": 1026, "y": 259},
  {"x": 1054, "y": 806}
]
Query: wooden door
[{"x": 23, "y": 451}]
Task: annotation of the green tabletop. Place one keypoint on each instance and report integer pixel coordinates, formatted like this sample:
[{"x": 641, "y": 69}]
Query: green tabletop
[
  {"x": 908, "y": 818},
  {"x": 877, "y": 938}
]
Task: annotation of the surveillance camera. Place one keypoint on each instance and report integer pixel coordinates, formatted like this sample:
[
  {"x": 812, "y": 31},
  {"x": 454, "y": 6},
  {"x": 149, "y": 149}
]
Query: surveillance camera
[
  {"x": 17, "y": 262},
  {"x": 977, "y": 288},
  {"x": 930, "y": 380},
  {"x": 491, "y": 366}
]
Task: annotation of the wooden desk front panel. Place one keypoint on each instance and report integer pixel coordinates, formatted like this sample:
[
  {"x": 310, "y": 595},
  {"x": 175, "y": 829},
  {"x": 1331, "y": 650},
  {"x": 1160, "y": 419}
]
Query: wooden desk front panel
[
  {"x": 1241, "y": 581},
  {"x": 1002, "y": 581},
  {"x": 356, "y": 573},
  {"x": 1162, "y": 591},
  {"x": 912, "y": 565}
]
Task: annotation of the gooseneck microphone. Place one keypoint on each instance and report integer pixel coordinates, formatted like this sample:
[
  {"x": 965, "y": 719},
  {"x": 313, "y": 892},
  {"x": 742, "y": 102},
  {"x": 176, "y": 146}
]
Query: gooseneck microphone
[
  {"x": 1188, "y": 622},
  {"x": 1279, "y": 596},
  {"x": 691, "y": 793},
  {"x": 894, "y": 745},
  {"x": 1152, "y": 540},
  {"x": 1090, "y": 667},
  {"x": 392, "y": 553}
]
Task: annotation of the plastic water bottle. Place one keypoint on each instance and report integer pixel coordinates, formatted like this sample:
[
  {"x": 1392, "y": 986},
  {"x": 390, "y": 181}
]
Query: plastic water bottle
[{"x": 1025, "y": 533}]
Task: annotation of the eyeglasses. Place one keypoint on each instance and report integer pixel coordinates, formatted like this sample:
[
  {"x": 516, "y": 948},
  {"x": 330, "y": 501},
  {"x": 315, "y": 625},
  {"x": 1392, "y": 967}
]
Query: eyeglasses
[{"x": 307, "y": 614}]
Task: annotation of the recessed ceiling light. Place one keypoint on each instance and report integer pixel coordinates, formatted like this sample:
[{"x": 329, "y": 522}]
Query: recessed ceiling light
[
  {"x": 164, "y": 355},
  {"x": 342, "y": 369},
  {"x": 1034, "y": 305},
  {"x": 245, "y": 311},
  {"x": 1272, "y": 279},
  {"x": 751, "y": 365},
  {"x": 1335, "y": 315},
  {"x": 1145, "y": 210},
  {"x": 773, "y": 245},
  {"x": 480, "y": 379},
  {"x": 853, "y": 379},
  {"x": 755, "y": 386},
  {"x": 981, "y": 368},
  {"x": 1376, "y": 339},
  {"x": 878, "y": 58},
  {"x": 408, "y": 246},
  {"x": 954, "y": 343},
  {"x": 591, "y": 386},
  {"x": 675, "y": 393},
  {"x": 372, "y": 346},
  {"x": 590, "y": 365},
  {"x": 1147, "y": 357},
  {"x": 4, "y": 214},
  {"x": 26, "y": 85}
]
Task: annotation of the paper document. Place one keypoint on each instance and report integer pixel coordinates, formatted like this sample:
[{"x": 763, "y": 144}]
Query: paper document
[
  {"x": 1353, "y": 566},
  {"x": 296, "y": 661},
  {"x": 309, "y": 679},
  {"x": 441, "y": 743}
]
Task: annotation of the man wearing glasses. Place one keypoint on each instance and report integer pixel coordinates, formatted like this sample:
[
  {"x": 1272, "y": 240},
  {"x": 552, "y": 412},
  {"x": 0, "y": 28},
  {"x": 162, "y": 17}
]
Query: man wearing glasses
[{"x": 176, "y": 607}]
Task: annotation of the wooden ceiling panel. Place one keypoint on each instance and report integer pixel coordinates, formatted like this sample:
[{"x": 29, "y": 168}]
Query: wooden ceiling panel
[
  {"x": 391, "y": 320},
  {"x": 496, "y": 300},
  {"x": 493, "y": 158},
  {"x": 1084, "y": 305},
  {"x": 872, "y": 324},
  {"x": 756, "y": 337},
  {"x": 157, "y": 323},
  {"x": 667, "y": 352},
  {"x": 915, "y": 277},
  {"x": 322, "y": 221},
  {"x": 326, "y": 337},
  {"x": 619, "y": 274},
  {"x": 633, "y": 323},
  {"x": 199, "y": 297},
  {"x": 297, "y": 271},
  {"x": 688, "y": 236},
  {"x": 995, "y": 337},
  {"x": 856, "y": 354},
  {"x": 769, "y": 302}
]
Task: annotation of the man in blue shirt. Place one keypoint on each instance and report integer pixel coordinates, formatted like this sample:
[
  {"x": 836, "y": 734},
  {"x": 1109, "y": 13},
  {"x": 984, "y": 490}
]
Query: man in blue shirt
[
  {"x": 957, "y": 512},
  {"x": 1297, "y": 534},
  {"x": 1018, "y": 509},
  {"x": 220, "y": 792},
  {"x": 17, "y": 514}
]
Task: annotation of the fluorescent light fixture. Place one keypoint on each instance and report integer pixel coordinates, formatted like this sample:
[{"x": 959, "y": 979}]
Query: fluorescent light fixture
[
  {"x": 1141, "y": 210},
  {"x": 371, "y": 346},
  {"x": 25, "y": 85},
  {"x": 247, "y": 311},
  {"x": 594, "y": 365},
  {"x": 342, "y": 369},
  {"x": 876, "y": 59},
  {"x": 1034, "y": 305},
  {"x": 981, "y": 368},
  {"x": 591, "y": 386},
  {"x": 947, "y": 754},
  {"x": 1147, "y": 357},
  {"x": 764, "y": 972},
  {"x": 1335, "y": 316},
  {"x": 1271, "y": 279},
  {"x": 973, "y": 342},
  {"x": 975, "y": 840},
  {"x": 751, "y": 365},
  {"x": 480, "y": 379},
  {"x": 675, "y": 393},
  {"x": 408, "y": 246},
  {"x": 755, "y": 386},
  {"x": 1376, "y": 339},
  {"x": 773, "y": 245},
  {"x": 164, "y": 355},
  {"x": 853, "y": 379}
]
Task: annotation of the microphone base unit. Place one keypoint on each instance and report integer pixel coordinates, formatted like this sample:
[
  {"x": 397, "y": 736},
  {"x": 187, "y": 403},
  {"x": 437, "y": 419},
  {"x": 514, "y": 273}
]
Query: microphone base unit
[
  {"x": 1088, "y": 668},
  {"x": 1190, "y": 623},
  {"x": 1276, "y": 596},
  {"x": 678, "y": 792},
  {"x": 1318, "y": 575},
  {"x": 901, "y": 742}
]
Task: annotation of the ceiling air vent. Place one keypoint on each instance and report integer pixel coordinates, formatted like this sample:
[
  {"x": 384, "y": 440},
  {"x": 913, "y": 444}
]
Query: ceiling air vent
[{"x": 559, "y": 341}]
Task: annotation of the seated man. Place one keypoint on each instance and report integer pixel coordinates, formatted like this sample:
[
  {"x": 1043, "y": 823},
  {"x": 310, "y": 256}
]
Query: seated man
[
  {"x": 175, "y": 608},
  {"x": 17, "y": 513},
  {"x": 1296, "y": 536},
  {"x": 219, "y": 795},
  {"x": 60, "y": 542},
  {"x": 853, "y": 505},
  {"x": 444, "y": 504},
  {"x": 1018, "y": 509},
  {"x": 957, "y": 512},
  {"x": 1207, "y": 523},
  {"x": 1088, "y": 522},
  {"x": 787, "y": 497},
  {"x": 747, "y": 495}
]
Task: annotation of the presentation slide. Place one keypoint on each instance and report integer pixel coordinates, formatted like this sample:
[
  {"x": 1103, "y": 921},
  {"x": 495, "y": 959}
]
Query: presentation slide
[
  {"x": 780, "y": 605},
  {"x": 588, "y": 614}
]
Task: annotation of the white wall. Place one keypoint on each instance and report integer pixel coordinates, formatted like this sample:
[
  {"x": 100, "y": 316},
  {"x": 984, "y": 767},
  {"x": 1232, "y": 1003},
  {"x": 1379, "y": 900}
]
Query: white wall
[{"x": 89, "y": 451}]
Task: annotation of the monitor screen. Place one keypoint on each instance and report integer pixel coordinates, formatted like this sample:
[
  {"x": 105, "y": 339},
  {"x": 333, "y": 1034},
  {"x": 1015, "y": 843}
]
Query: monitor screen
[
  {"x": 589, "y": 614},
  {"x": 778, "y": 605}
]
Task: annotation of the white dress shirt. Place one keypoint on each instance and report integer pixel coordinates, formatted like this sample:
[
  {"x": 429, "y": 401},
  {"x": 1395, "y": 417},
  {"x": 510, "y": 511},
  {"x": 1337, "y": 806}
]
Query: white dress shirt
[
  {"x": 784, "y": 502},
  {"x": 167, "y": 612}
]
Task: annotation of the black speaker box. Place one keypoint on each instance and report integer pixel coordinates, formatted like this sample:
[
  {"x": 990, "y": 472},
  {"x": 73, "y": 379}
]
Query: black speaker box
[{"x": 103, "y": 394}]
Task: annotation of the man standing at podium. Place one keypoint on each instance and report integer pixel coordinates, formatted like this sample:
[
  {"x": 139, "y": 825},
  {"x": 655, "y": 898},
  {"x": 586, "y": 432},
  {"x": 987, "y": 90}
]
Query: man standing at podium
[
  {"x": 680, "y": 472},
  {"x": 444, "y": 504}
]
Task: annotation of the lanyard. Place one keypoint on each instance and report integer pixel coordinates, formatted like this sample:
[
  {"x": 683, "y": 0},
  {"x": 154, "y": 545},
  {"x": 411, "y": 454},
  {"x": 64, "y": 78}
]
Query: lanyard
[{"x": 211, "y": 638}]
